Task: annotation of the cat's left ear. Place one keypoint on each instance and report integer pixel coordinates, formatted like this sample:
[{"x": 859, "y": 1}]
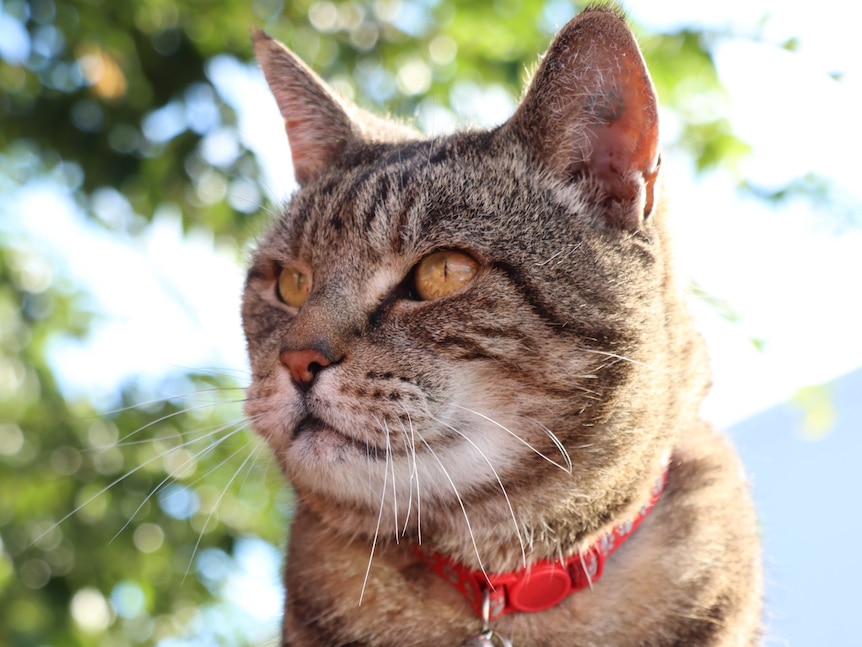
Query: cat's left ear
[
  {"x": 316, "y": 122},
  {"x": 319, "y": 123},
  {"x": 591, "y": 113}
]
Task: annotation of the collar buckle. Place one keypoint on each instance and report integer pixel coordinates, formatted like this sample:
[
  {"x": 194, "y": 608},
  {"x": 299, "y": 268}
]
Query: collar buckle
[{"x": 546, "y": 584}]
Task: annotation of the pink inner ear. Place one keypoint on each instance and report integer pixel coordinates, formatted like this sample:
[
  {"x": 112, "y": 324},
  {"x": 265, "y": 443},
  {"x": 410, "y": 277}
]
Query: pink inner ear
[
  {"x": 623, "y": 131},
  {"x": 310, "y": 148}
]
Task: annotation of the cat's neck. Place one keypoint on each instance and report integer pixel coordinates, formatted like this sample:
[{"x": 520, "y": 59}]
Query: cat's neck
[
  {"x": 483, "y": 538},
  {"x": 543, "y": 584}
]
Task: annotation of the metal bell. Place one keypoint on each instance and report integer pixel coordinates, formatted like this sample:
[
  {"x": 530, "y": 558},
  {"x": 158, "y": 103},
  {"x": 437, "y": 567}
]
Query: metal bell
[
  {"x": 488, "y": 639},
  {"x": 482, "y": 640}
]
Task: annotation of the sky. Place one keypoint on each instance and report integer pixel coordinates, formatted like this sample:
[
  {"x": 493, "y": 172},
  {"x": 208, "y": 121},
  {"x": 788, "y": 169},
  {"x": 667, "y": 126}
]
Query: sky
[{"x": 790, "y": 274}]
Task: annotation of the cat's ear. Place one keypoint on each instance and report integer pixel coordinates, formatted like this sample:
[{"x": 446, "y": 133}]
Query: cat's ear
[
  {"x": 317, "y": 124},
  {"x": 591, "y": 112}
]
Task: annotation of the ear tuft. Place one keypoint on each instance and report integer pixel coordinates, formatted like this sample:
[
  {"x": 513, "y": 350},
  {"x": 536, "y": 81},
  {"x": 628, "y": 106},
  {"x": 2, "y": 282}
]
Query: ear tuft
[{"x": 591, "y": 112}]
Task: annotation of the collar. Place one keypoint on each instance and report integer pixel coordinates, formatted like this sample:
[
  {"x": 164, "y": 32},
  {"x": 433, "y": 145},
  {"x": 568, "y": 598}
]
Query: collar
[{"x": 543, "y": 584}]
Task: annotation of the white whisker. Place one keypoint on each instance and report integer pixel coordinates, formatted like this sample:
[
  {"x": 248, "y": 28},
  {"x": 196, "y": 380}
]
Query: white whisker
[
  {"x": 218, "y": 501},
  {"x": 189, "y": 460},
  {"x": 163, "y": 418},
  {"x": 377, "y": 527},
  {"x": 558, "y": 444},
  {"x": 258, "y": 454},
  {"x": 390, "y": 464},
  {"x": 407, "y": 452},
  {"x": 566, "y": 468},
  {"x": 460, "y": 502},
  {"x": 502, "y": 488},
  {"x": 122, "y": 478},
  {"x": 623, "y": 358},
  {"x": 165, "y": 400},
  {"x": 122, "y": 443},
  {"x": 225, "y": 372},
  {"x": 415, "y": 475}
]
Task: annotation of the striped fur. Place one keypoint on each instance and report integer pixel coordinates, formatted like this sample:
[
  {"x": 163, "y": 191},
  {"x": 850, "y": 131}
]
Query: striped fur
[{"x": 518, "y": 417}]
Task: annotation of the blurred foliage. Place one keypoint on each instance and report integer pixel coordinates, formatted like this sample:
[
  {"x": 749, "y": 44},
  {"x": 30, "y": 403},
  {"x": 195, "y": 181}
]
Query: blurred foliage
[
  {"x": 817, "y": 406},
  {"x": 123, "y": 92},
  {"x": 844, "y": 209},
  {"x": 725, "y": 310},
  {"x": 120, "y": 527},
  {"x": 103, "y": 513}
]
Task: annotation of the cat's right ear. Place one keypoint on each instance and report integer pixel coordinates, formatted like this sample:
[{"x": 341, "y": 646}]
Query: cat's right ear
[
  {"x": 591, "y": 113},
  {"x": 317, "y": 123}
]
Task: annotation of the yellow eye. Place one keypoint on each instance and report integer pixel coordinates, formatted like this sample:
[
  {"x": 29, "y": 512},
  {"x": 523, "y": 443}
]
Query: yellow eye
[
  {"x": 293, "y": 286},
  {"x": 443, "y": 273}
]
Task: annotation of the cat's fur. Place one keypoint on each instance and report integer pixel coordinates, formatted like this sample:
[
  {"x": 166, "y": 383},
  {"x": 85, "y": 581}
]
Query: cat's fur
[{"x": 438, "y": 421}]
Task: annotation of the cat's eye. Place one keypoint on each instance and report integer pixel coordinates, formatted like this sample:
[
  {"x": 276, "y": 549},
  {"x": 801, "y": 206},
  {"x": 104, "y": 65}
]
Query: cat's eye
[
  {"x": 443, "y": 273},
  {"x": 293, "y": 286}
]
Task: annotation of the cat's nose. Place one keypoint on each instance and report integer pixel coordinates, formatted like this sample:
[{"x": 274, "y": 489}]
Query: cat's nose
[{"x": 304, "y": 365}]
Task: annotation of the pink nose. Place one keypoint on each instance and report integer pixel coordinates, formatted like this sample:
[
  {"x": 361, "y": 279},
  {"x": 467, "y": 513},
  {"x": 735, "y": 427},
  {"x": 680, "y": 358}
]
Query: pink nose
[{"x": 303, "y": 365}]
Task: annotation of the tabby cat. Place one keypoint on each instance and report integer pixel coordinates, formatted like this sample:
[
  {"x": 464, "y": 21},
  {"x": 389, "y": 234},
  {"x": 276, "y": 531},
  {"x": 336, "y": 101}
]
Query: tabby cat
[{"x": 474, "y": 364}]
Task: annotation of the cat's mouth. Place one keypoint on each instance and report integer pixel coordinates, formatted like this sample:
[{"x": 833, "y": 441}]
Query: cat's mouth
[{"x": 311, "y": 426}]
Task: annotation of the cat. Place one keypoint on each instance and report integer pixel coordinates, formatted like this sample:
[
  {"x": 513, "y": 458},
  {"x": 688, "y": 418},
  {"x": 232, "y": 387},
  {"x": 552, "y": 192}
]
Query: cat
[{"x": 473, "y": 361}]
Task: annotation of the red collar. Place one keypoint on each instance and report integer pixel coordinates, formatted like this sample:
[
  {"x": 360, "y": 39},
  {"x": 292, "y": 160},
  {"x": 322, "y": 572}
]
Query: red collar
[{"x": 545, "y": 583}]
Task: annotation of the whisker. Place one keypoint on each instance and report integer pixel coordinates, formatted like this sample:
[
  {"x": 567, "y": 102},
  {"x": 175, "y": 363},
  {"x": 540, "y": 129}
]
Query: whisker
[
  {"x": 500, "y": 483},
  {"x": 220, "y": 402},
  {"x": 163, "y": 418},
  {"x": 190, "y": 459},
  {"x": 377, "y": 528},
  {"x": 212, "y": 446},
  {"x": 143, "y": 405},
  {"x": 460, "y": 503},
  {"x": 521, "y": 440},
  {"x": 418, "y": 487},
  {"x": 407, "y": 449},
  {"x": 415, "y": 475},
  {"x": 147, "y": 441},
  {"x": 252, "y": 466},
  {"x": 623, "y": 358},
  {"x": 369, "y": 464},
  {"x": 122, "y": 478},
  {"x": 122, "y": 444},
  {"x": 559, "y": 445},
  {"x": 225, "y": 372},
  {"x": 218, "y": 501},
  {"x": 561, "y": 254},
  {"x": 390, "y": 462}
]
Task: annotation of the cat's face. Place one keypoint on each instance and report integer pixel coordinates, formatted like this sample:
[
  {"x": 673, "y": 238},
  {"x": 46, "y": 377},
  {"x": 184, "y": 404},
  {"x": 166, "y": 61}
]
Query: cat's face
[{"x": 479, "y": 319}]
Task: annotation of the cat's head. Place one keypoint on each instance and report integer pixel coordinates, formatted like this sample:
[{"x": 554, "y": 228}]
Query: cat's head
[{"x": 484, "y": 322}]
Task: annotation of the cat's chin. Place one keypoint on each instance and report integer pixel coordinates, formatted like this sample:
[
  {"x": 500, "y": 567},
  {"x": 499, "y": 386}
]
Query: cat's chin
[{"x": 316, "y": 440}]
